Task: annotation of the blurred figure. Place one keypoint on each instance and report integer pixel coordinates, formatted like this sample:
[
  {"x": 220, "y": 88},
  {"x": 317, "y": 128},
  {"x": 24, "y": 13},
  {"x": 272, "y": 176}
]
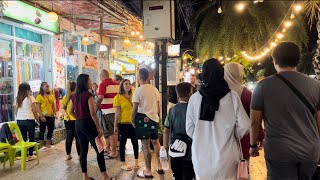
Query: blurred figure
[
  {"x": 193, "y": 83},
  {"x": 117, "y": 78},
  {"x": 94, "y": 90}
]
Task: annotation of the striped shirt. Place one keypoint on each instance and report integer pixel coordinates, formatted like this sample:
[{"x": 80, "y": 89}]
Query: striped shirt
[{"x": 109, "y": 89}]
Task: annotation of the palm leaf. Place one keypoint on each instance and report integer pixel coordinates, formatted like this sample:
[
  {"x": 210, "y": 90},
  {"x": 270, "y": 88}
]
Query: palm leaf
[{"x": 312, "y": 11}]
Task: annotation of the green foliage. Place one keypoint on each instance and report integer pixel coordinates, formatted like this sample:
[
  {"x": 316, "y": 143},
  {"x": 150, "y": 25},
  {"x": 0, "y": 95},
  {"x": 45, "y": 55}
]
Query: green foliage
[
  {"x": 231, "y": 32},
  {"x": 248, "y": 70}
]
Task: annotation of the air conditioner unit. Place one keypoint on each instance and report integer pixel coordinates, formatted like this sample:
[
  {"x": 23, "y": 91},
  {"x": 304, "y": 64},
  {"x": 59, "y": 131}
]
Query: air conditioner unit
[{"x": 158, "y": 19}]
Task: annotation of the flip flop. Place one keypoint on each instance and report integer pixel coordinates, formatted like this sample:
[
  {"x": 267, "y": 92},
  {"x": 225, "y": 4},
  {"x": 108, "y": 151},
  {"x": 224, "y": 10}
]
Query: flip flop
[
  {"x": 109, "y": 157},
  {"x": 136, "y": 167},
  {"x": 141, "y": 175},
  {"x": 160, "y": 171}
]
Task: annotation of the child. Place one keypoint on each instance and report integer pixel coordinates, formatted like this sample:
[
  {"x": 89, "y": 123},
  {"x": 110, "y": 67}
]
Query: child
[{"x": 175, "y": 129}]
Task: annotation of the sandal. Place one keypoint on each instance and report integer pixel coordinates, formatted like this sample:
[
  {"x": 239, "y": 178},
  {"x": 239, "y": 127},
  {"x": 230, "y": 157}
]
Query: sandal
[
  {"x": 141, "y": 175},
  {"x": 160, "y": 171},
  {"x": 68, "y": 158},
  {"x": 136, "y": 167}
]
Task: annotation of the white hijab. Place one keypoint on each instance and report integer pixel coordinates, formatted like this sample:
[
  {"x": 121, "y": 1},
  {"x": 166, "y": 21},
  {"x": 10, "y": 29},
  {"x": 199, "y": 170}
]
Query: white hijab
[{"x": 233, "y": 74}]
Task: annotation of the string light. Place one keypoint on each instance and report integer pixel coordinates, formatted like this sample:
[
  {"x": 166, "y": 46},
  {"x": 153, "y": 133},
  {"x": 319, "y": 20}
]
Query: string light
[
  {"x": 277, "y": 35},
  {"x": 220, "y": 10},
  {"x": 197, "y": 60},
  {"x": 133, "y": 33}
]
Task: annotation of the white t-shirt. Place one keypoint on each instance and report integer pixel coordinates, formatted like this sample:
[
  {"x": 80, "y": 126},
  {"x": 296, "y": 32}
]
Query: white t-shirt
[
  {"x": 25, "y": 111},
  {"x": 148, "y": 98}
]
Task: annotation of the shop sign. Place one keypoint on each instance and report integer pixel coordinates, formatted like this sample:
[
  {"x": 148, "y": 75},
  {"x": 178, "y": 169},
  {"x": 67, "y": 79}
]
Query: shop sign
[
  {"x": 35, "y": 85},
  {"x": 172, "y": 69},
  {"x": 28, "y": 14},
  {"x": 174, "y": 50}
]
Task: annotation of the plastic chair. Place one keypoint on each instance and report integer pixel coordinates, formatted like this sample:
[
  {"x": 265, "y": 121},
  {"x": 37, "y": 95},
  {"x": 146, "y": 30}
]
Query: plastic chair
[
  {"x": 6, "y": 149},
  {"x": 22, "y": 146}
]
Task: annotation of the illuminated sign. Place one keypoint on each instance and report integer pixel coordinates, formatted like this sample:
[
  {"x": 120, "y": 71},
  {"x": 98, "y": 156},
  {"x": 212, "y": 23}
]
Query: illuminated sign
[
  {"x": 28, "y": 14},
  {"x": 174, "y": 50}
]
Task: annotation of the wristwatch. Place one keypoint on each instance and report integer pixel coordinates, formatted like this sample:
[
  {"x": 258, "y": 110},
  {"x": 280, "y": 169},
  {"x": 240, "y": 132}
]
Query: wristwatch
[{"x": 253, "y": 146}]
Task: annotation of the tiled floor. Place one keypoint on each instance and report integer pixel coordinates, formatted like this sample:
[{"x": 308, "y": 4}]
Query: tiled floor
[{"x": 53, "y": 166}]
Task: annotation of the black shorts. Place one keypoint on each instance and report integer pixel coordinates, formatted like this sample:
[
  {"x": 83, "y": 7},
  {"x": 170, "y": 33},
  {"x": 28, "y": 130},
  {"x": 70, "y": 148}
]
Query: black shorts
[{"x": 146, "y": 130}]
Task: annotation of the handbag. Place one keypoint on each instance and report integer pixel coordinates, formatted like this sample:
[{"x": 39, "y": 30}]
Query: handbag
[{"x": 242, "y": 170}]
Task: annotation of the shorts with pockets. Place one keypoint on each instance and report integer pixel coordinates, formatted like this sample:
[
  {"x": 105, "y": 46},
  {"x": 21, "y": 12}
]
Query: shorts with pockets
[
  {"x": 108, "y": 128},
  {"x": 146, "y": 128}
]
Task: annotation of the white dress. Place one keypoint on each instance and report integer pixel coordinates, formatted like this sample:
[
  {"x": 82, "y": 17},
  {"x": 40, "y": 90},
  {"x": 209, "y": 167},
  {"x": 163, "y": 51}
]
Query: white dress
[{"x": 215, "y": 151}]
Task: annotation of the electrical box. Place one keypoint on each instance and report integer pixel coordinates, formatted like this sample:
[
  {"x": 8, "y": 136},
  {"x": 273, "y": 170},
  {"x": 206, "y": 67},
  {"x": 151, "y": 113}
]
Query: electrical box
[{"x": 158, "y": 19}]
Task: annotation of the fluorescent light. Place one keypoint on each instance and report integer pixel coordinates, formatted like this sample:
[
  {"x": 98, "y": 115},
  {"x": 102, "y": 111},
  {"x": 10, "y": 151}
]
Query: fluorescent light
[{"x": 38, "y": 29}]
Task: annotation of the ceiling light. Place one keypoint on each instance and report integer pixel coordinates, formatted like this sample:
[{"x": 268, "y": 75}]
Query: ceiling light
[
  {"x": 85, "y": 38},
  {"x": 137, "y": 33},
  {"x": 103, "y": 48},
  {"x": 52, "y": 17},
  {"x": 133, "y": 33},
  {"x": 140, "y": 37}
]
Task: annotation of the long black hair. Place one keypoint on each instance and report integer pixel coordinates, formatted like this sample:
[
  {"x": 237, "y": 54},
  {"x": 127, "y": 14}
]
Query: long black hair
[
  {"x": 24, "y": 88},
  {"x": 82, "y": 86}
]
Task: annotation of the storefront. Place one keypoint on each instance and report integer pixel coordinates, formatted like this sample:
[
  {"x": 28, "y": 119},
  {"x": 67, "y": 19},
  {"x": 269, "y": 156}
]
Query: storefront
[{"x": 25, "y": 52}]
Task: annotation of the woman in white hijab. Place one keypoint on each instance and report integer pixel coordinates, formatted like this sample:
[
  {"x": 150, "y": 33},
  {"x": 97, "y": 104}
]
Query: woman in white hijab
[{"x": 233, "y": 74}]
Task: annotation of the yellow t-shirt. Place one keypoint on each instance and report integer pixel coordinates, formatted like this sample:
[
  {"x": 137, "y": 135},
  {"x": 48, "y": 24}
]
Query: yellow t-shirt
[
  {"x": 125, "y": 108},
  {"x": 46, "y": 104},
  {"x": 64, "y": 102}
]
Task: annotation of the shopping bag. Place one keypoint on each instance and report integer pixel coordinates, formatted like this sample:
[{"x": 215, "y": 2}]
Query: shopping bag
[
  {"x": 243, "y": 170},
  {"x": 100, "y": 142}
]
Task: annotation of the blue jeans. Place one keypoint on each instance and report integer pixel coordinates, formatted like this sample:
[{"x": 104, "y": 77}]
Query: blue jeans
[{"x": 27, "y": 127}]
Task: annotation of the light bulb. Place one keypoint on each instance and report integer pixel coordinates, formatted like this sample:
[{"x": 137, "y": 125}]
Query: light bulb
[
  {"x": 240, "y": 6},
  {"x": 297, "y": 7},
  {"x": 284, "y": 30},
  {"x": 273, "y": 44},
  {"x": 220, "y": 10},
  {"x": 220, "y": 58},
  {"x": 197, "y": 60},
  {"x": 52, "y": 17},
  {"x": 85, "y": 38},
  {"x": 280, "y": 36},
  {"x": 140, "y": 37},
  {"x": 292, "y": 16},
  {"x": 288, "y": 23},
  {"x": 137, "y": 33},
  {"x": 133, "y": 33}
]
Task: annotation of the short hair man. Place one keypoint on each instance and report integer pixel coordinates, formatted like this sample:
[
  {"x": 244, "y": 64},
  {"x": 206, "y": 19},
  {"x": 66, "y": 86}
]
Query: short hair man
[
  {"x": 175, "y": 126},
  {"x": 117, "y": 78},
  {"x": 292, "y": 143},
  {"x": 145, "y": 118},
  {"x": 108, "y": 89}
]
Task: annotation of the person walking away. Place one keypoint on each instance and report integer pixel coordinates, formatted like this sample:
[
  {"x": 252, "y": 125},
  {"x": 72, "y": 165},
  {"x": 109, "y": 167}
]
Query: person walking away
[
  {"x": 146, "y": 120},
  {"x": 123, "y": 107},
  {"x": 233, "y": 74},
  {"x": 88, "y": 126},
  {"x": 175, "y": 130},
  {"x": 215, "y": 116},
  {"x": 69, "y": 120},
  {"x": 47, "y": 112},
  {"x": 108, "y": 89},
  {"x": 289, "y": 103},
  {"x": 26, "y": 113}
]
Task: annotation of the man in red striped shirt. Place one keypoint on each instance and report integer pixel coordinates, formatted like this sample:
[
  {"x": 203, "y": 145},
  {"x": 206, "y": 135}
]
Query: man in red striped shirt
[{"x": 108, "y": 89}]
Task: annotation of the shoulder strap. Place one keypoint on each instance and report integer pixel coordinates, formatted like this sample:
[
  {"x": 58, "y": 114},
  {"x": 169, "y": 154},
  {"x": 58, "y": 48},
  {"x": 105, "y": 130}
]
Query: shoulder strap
[{"x": 297, "y": 93}]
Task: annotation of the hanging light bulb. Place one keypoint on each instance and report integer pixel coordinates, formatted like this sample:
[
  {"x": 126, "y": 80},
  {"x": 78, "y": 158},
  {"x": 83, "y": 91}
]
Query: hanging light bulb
[
  {"x": 284, "y": 30},
  {"x": 220, "y": 10},
  {"x": 139, "y": 47},
  {"x": 103, "y": 48},
  {"x": 85, "y": 38},
  {"x": 126, "y": 43},
  {"x": 240, "y": 6},
  {"x": 53, "y": 17},
  {"x": 280, "y": 36},
  {"x": 133, "y": 33},
  {"x": 137, "y": 33},
  {"x": 297, "y": 7},
  {"x": 292, "y": 16},
  {"x": 288, "y": 23},
  {"x": 197, "y": 60},
  {"x": 140, "y": 37},
  {"x": 113, "y": 52}
]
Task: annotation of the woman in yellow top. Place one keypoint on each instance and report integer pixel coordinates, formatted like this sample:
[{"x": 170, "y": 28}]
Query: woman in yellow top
[
  {"x": 47, "y": 112},
  {"x": 69, "y": 120},
  {"x": 123, "y": 106}
]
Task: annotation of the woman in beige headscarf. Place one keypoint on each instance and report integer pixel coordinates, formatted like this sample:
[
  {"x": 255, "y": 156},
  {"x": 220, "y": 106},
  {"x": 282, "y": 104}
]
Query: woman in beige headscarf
[{"x": 233, "y": 74}]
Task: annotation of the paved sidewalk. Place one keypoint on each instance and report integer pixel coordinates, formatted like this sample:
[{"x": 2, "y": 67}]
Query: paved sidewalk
[{"x": 53, "y": 166}]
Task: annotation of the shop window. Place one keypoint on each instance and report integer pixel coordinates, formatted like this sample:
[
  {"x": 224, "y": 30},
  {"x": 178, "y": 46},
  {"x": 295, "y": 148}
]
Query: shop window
[
  {"x": 5, "y": 29},
  {"x": 28, "y": 35},
  {"x": 29, "y": 62},
  {"x": 6, "y": 81},
  {"x": 72, "y": 67},
  {"x": 72, "y": 41},
  {"x": 92, "y": 49}
]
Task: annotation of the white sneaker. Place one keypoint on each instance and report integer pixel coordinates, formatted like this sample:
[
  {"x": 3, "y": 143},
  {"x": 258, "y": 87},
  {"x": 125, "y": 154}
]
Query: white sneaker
[{"x": 43, "y": 149}]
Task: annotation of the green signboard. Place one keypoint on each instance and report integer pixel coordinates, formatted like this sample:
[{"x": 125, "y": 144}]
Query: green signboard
[{"x": 28, "y": 14}]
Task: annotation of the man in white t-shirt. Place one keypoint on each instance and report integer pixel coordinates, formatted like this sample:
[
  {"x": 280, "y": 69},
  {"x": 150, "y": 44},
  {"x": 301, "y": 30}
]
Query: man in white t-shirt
[{"x": 146, "y": 120}]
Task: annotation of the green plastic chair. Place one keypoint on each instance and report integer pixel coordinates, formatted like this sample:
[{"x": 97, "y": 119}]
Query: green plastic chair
[
  {"x": 6, "y": 149},
  {"x": 22, "y": 146}
]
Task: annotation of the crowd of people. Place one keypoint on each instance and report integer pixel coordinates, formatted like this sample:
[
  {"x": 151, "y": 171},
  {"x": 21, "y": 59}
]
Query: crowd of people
[{"x": 206, "y": 133}]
